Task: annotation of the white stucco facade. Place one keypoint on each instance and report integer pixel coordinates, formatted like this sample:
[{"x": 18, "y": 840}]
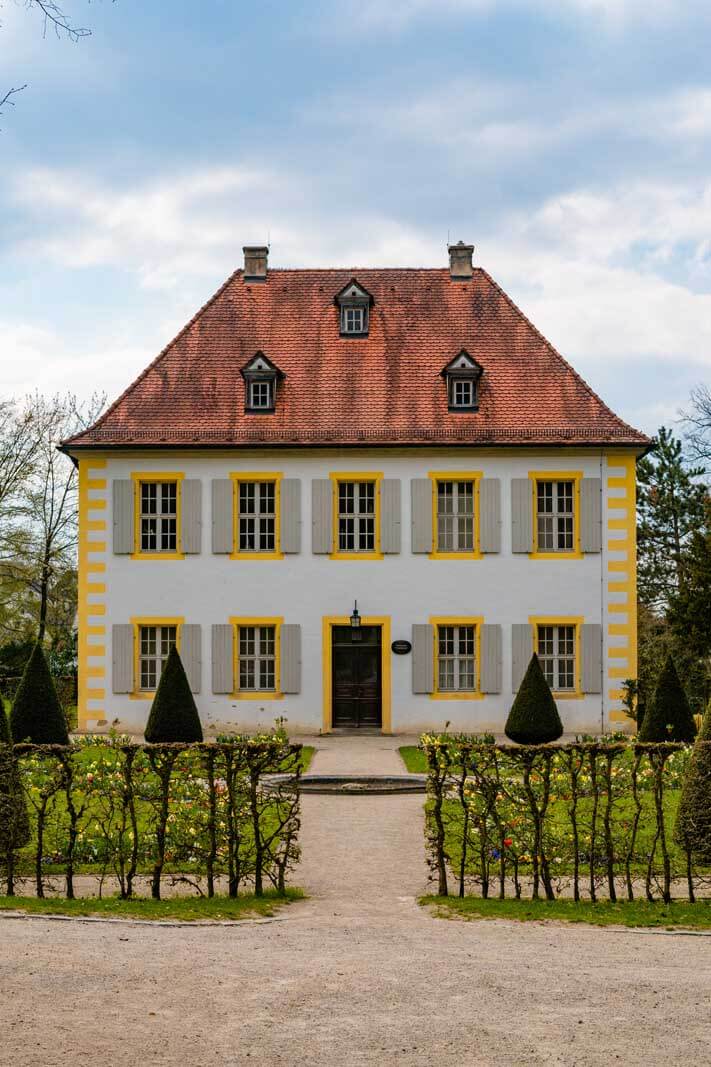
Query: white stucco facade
[{"x": 502, "y": 588}]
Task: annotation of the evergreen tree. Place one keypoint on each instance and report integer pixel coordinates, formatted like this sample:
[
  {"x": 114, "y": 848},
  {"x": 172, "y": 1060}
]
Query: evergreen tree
[
  {"x": 670, "y": 505},
  {"x": 14, "y": 819},
  {"x": 37, "y": 715},
  {"x": 693, "y": 819},
  {"x": 690, "y": 606},
  {"x": 173, "y": 716},
  {"x": 534, "y": 718},
  {"x": 668, "y": 716}
]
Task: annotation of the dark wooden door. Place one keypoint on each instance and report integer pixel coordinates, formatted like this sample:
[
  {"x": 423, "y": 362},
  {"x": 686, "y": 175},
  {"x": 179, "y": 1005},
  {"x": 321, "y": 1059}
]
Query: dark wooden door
[{"x": 357, "y": 689}]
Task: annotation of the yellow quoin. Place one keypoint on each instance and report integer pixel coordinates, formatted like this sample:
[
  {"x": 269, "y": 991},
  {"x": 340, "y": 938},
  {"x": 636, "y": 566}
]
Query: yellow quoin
[
  {"x": 621, "y": 638},
  {"x": 92, "y": 591}
]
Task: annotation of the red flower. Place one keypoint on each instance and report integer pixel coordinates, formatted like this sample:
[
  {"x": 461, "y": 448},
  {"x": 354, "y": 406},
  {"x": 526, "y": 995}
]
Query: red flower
[{"x": 508, "y": 842}]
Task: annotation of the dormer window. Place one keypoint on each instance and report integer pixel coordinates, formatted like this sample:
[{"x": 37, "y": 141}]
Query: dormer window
[
  {"x": 261, "y": 377},
  {"x": 462, "y": 376},
  {"x": 354, "y": 303}
]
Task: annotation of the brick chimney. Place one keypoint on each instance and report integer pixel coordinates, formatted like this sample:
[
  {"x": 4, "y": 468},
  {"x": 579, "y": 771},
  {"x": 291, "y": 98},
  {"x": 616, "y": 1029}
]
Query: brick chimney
[
  {"x": 255, "y": 262},
  {"x": 460, "y": 261}
]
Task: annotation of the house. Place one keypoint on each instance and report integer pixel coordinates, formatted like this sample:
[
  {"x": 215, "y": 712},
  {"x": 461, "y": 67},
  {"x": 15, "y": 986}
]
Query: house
[{"x": 357, "y": 498}]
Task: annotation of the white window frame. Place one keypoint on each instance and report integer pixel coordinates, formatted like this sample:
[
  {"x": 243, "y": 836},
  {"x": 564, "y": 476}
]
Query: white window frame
[
  {"x": 463, "y": 539},
  {"x": 354, "y": 319},
  {"x": 259, "y": 519},
  {"x": 153, "y": 662},
  {"x": 559, "y": 657},
  {"x": 462, "y": 678},
  {"x": 164, "y": 517},
  {"x": 260, "y": 661},
  {"x": 555, "y": 525},
  {"x": 255, "y": 400},
  {"x": 459, "y": 401},
  {"x": 363, "y": 522}
]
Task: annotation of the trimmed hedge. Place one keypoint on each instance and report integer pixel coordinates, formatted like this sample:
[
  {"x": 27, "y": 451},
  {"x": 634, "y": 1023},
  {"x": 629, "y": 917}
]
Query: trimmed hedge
[
  {"x": 534, "y": 718},
  {"x": 174, "y": 715},
  {"x": 668, "y": 716},
  {"x": 693, "y": 820},
  {"x": 37, "y": 716}
]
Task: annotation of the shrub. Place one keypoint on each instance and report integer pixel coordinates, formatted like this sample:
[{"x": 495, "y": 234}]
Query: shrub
[
  {"x": 534, "y": 718},
  {"x": 14, "y": 818},
  {"x": 173, "y": 716},
  {"x": 37, "y": 715},
  {"x": 693, "y": 819},
  {"x": 668, "y": 716}
]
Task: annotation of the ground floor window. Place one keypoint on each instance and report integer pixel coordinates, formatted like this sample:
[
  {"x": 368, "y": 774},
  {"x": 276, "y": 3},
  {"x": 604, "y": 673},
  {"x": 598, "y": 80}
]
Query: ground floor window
[
  {"x": 155, "y": 642},
  {"x": 256, "y": 649},
  {"x": 556, "y": 651},
  {"x": 456, "y": 658}
]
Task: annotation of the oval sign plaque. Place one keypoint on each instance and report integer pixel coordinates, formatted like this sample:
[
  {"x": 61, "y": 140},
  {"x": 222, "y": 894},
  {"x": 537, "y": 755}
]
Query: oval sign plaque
[{"x": 401, "y": 648}]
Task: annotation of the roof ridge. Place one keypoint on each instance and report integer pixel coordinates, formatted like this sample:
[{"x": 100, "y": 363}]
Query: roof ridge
[{"x": 549, "y": 344}]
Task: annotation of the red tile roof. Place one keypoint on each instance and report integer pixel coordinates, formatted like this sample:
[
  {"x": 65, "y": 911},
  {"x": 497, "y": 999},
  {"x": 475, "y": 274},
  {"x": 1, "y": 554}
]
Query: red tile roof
[{"x": 385, "y": 389}]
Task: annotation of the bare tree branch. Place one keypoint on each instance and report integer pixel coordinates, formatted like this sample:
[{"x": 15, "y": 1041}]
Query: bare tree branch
[
  {"x": 10, "y": 93},
  {"x": 698, "y": 423},
  {"x": 53, "y": 17}
]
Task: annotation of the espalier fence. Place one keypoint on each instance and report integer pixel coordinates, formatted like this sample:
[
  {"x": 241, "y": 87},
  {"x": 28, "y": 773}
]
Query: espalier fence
[
  {"x": 583, "y": 820},
  {"x": 191, "y": 813}
]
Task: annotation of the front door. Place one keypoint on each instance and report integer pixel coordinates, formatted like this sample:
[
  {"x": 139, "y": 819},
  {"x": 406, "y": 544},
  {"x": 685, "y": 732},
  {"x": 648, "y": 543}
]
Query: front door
[{"x": 357, "y": 688}]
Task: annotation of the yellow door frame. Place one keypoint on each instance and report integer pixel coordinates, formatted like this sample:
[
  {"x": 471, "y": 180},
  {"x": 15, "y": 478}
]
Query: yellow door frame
[{"x": 383, "y": 621}]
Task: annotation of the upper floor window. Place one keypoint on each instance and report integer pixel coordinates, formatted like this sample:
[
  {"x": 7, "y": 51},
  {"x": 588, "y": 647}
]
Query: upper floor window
[
  {"x": 463, "y": 393},
  {"x": 555, "y": 516},
  {"x": 155, "y": 642},
  {"x": 455, "y": 516},
  {"x": 256, "y": 514},
  {"x": 159, "y": 516},
  {"x": 256, "y": 646},
  {"x": 356, "y": 516},
  {"x": 462, "y": 376},
  {"x": 354, "y": 304},
  {"x": 261, "y": 378},
  {"x": 556, "y": 651},
  {"x": 261, "y": 395},
  {"x": 456, "y": 661}
]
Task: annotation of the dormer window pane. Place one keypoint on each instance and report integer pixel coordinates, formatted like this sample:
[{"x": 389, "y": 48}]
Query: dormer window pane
[
  {"x": 462, "y": 393},
  {"x": 353, "y": 319},
  {"x": 261, "y": 395}
]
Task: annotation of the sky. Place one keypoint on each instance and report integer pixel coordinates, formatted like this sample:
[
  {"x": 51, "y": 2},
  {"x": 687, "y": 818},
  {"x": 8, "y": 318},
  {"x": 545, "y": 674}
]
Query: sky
[{"x": 568, "y": 140}]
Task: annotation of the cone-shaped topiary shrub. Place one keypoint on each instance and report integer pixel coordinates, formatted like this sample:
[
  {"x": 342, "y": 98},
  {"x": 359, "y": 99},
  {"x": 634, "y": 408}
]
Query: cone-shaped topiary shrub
[
  {"x": 173, "y": 716},
  {"x": 5, "y": 735},
  {"x": 14, "y": 819},
  {"x": 534, "y": 718},
  {"x": 693, "y": 818},
  {"x": 37, "y": 715},
  {"x": 668, "y": 715}
]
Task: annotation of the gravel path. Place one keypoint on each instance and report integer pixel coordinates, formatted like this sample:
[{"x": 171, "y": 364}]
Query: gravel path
[{"x": 358, "y": 974}]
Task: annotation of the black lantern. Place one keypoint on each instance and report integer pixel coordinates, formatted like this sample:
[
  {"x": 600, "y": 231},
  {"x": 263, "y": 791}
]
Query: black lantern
[{"x": 355, "y": 623}]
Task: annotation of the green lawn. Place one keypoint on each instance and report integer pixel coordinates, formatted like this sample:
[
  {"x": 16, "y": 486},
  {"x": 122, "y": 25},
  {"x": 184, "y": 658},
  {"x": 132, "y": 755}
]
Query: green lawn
[
  {"x": 414, "y": 759},
  {"x": 307, "y": 754},
  {"x": 185, "y": 909},
  {"x": 635, "y": 913}
]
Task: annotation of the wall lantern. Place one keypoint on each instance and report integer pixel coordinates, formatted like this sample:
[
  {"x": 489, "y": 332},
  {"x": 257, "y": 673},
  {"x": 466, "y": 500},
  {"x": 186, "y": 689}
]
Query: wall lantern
[{"x": 355, "y": 623}]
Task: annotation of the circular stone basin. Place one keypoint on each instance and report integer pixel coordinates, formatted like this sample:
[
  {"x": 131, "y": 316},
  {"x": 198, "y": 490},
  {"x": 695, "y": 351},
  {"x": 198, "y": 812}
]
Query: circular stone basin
[{"x": 355, "y": 784}]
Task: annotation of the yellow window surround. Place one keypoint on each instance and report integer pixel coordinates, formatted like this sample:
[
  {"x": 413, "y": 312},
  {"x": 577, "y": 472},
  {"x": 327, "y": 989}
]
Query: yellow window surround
[
  {"x": 138, "y": 478},
  {"x": 237, "y": 478},
  {"x": 457, "y": 620},
  {"x": 455, "y": 476},
  {"x": 562, "y": 620},
  {"x": 556, "y": 476},
  {"x": 238, "y": 621},
  {"x": 355, "y": 476},
  {"x": 137, "y": 623},
  {"x": 383, "y": 621}
]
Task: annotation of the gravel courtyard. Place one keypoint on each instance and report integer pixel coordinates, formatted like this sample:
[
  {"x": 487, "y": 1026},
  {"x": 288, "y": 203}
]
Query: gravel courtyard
[{"x": 357, "y": 974}]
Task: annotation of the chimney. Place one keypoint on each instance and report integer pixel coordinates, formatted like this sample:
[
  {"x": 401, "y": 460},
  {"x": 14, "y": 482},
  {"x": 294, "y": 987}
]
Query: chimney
[
  {"x": 460, "y": 261},
  {"x": 255, "y": 262}
]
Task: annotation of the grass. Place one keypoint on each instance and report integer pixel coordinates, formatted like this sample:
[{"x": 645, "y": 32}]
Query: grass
[
  {"x": 307, "y": 754},
  {"x": 638, "y": 913},
  {"x": 185, "y": 909},
  {"x": 414, "y": 759}
]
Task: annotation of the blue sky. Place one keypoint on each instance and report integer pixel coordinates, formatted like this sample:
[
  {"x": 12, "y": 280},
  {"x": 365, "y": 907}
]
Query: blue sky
[{"x": 569, "y": 140}]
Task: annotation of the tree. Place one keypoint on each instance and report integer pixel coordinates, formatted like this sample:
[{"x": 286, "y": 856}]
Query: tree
[
  {"x": 534, "y": 718},
  {"x": 698, "y": 424},
  {"x": 173, "y": 715},
  {"x": 670, "y": 504},
  {"x": 690, "y": 606},
  {"x": 668, "y": 717},
  {"x": 693, "y": 819},
  {"x": 37, "y": 715}
]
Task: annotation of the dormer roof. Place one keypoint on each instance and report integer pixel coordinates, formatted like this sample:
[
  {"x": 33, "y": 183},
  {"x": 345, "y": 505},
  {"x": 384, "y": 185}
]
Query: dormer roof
[
  {"x": 464, "y": 366},
  {"x": 261, "y": 365},
  {"x": 353, "y": 293}
]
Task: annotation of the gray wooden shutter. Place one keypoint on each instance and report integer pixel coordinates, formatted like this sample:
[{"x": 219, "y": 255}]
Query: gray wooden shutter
[
  {"x": 122, "y": 658},
  {"x": 521, "y": 515},
  {"x": 591, "y": 516},
  {"x": 222, "y": 658},
  {"x": 290, "y": 504},
  {"x": 521, "y": 652},
  {"x": 290, "y": 660},
  {"x": 591, "y": 654},
  {"x": 321, "y": 516},
  {"x": 222, "y": 539},
  {"x": 191, "y": 516},
  {"x": 123, "y": 502},
  {"x": 490, "y": 669},
  {"x": 421, "y": 497},
  {"x": 490, "y": 516},
  {"x": 390, "y": 511},
  {"x": 422, "y": 658},
  {"x": 191, "y": 654}
]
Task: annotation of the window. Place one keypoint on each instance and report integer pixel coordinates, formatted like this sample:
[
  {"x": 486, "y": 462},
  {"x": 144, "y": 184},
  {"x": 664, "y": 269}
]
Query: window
[
  {"x": 354, "y": 320},
  {"x": 356, "y": 517},
  {"x": 261, "y": 395},
  {"x": 256, "y": 649},
  {"x": 155, "y": 642},
  {"x": 555, "y": 516},
  {"x": 456, "y": 662},
  {"x": 556, "y": 652},
  {"x": 256, "y": 512},
  {"x": 455, "y": 516},
  {"x": 462, "y": 393},
  {"x": 159, "y": 516}
]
